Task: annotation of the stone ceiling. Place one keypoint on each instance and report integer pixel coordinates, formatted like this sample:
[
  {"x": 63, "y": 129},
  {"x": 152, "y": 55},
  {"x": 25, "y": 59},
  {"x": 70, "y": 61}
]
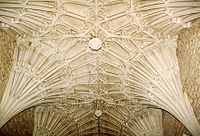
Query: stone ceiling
[{"x": 140, "y": 78}]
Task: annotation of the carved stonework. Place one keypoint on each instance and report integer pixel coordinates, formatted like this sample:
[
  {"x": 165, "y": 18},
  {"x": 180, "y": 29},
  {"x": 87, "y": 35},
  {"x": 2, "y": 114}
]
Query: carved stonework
[{"x": 114, "y": 56}]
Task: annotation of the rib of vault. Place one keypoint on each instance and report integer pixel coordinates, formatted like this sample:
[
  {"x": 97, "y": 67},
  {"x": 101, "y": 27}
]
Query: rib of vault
[{"x": 72, "y": 120}]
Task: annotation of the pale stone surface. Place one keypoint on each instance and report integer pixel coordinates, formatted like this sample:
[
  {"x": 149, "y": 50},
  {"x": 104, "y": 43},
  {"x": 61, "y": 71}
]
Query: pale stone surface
[{"x": 132, "y": 66}]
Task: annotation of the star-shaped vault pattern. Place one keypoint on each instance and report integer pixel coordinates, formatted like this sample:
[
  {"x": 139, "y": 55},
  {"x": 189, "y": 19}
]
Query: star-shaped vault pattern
[{"x": 140, "y": 71}]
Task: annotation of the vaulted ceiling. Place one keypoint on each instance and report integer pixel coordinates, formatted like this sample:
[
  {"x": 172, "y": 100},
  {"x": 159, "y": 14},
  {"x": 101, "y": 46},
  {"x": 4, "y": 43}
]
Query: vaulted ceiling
[{"x": 100, "y": 67}]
